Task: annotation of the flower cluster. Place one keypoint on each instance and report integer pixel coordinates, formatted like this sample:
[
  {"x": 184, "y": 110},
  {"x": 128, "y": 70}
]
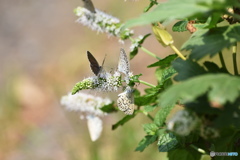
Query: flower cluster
[
  {"x": 183, "y": 122},
  {"x": 105, "y": 82},
  {"x": 102, "y": 22}
]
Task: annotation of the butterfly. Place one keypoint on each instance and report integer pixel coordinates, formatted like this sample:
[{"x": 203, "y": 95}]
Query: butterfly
[
  {"x": 96, "y": 68},
  {"x": 89, "y": 5},
  {"x": 125, "y": 101},
  {"x": 123, "y": 64}
]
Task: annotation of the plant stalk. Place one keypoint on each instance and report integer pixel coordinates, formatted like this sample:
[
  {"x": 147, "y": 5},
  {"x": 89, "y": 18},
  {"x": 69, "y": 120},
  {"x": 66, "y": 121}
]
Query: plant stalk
[
  {"x": 145, "y": 50},
  {"x": 147, "y": 84},
  {"x": 222, "y": 60},
  {"x": 149, "y": 53},
  {"x": 234, "y": 56},
  {"x": 177, "y": 51},
  {"x": 147, "y": 114},
  {"x": 198, "y": 149}
]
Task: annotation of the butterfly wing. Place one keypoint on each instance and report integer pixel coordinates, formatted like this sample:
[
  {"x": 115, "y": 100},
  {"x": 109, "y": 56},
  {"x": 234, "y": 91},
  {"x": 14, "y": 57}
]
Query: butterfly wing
[
  {"x": 125, "y": 101},
  {"x": 89, "y": 5},
  {"x": 123, "y": 63},
  {"x": 93, "y": 64},
  {"x": 129, "y": 110}
]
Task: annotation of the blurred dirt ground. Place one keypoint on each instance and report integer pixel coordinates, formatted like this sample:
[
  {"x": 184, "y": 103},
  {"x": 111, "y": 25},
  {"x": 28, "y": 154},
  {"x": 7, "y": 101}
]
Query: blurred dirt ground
[{"x": 43, "y": 54}]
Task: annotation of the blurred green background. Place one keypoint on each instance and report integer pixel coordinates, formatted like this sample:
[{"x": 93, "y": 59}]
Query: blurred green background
[{"x": 43, "y": 55}]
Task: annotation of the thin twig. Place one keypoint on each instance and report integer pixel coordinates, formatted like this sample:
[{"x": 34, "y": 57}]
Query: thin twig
[
  {"x": 147, "y": 84},
  {"x": 234, "y": 56},
  {"x": 222, "y": 60}
]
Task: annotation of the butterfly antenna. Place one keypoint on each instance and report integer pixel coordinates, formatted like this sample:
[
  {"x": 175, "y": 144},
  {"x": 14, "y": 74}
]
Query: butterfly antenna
[{"x": 104, "y": 60}]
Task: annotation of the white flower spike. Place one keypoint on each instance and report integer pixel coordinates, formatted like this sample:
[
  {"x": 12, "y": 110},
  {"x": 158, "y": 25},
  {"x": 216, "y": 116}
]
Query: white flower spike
[{"x": 85, "y": 103}]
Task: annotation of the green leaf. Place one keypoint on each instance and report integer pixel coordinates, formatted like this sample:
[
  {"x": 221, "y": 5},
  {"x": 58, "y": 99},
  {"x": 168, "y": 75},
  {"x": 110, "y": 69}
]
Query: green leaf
[
  {"x": 167, "y": 142},
  {"x": 175, "y": 9},
  {"x": 145, "y": 99},
  {"x": 164, "y": 75},
  {"x": 171, "y": 10},
  {"x": 180, "y": 26},
  {"x": 122, "y": 121},
  {"x": 220, "y": 88},
  {"x": 136, "y": 93},
  {"x": 187, "y": 69},
  {"x": 134, "y": 52},
  {"x": 150, "y": 128},
  {"x": 163, "y": 63},
  {"x": 161, "y": 115},
  {"x": 152, "y": 3},
  {"x": 146, "y": 141},
  {"x": 144, "y": 38},
  {"x": 212, "y": 67},
  {"x": 150, "y": 97},
  {"x": 109, "y": 108},
  {"x": 188, "y": 154},
  {"x": 167, "y": 83},
  {"x": 154, "y": 90},
  {"x": 158, "y": 74},
  {"x": 167, "y": 74},
  {"x": 149, "y": 108},
  {"x": 211, "y": 41},
  {"x": 214, "y": 19}
]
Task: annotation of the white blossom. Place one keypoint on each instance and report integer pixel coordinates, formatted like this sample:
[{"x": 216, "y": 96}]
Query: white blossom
[
  {"x": 85, "y": 103},
  {"x": 94, "y": 127}
]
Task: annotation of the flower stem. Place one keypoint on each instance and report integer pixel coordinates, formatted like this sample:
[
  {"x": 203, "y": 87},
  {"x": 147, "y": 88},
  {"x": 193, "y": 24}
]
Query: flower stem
[
  {"x": 145, "y": 113},
  {"x": 150, "y": 117},
  {"x": 149, "y": 53},
  {"x": 145, "y": 50},
  {"x": 222, "y": 60},
  {"x": 177, "y": 51},
  {"x": 147, "y": 84},
  {"x": 234, "y": 55},
  {"x": 198, "y": 149}
]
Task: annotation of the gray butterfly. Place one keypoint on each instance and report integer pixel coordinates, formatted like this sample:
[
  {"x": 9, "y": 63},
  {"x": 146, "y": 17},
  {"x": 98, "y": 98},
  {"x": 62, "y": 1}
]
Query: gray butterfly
[
  {"x": 96, "y": 68},
  {"x": 125, "y": 101},
  {"x": 123, "y": 64},
  {"x": 89, "y": 5}
]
